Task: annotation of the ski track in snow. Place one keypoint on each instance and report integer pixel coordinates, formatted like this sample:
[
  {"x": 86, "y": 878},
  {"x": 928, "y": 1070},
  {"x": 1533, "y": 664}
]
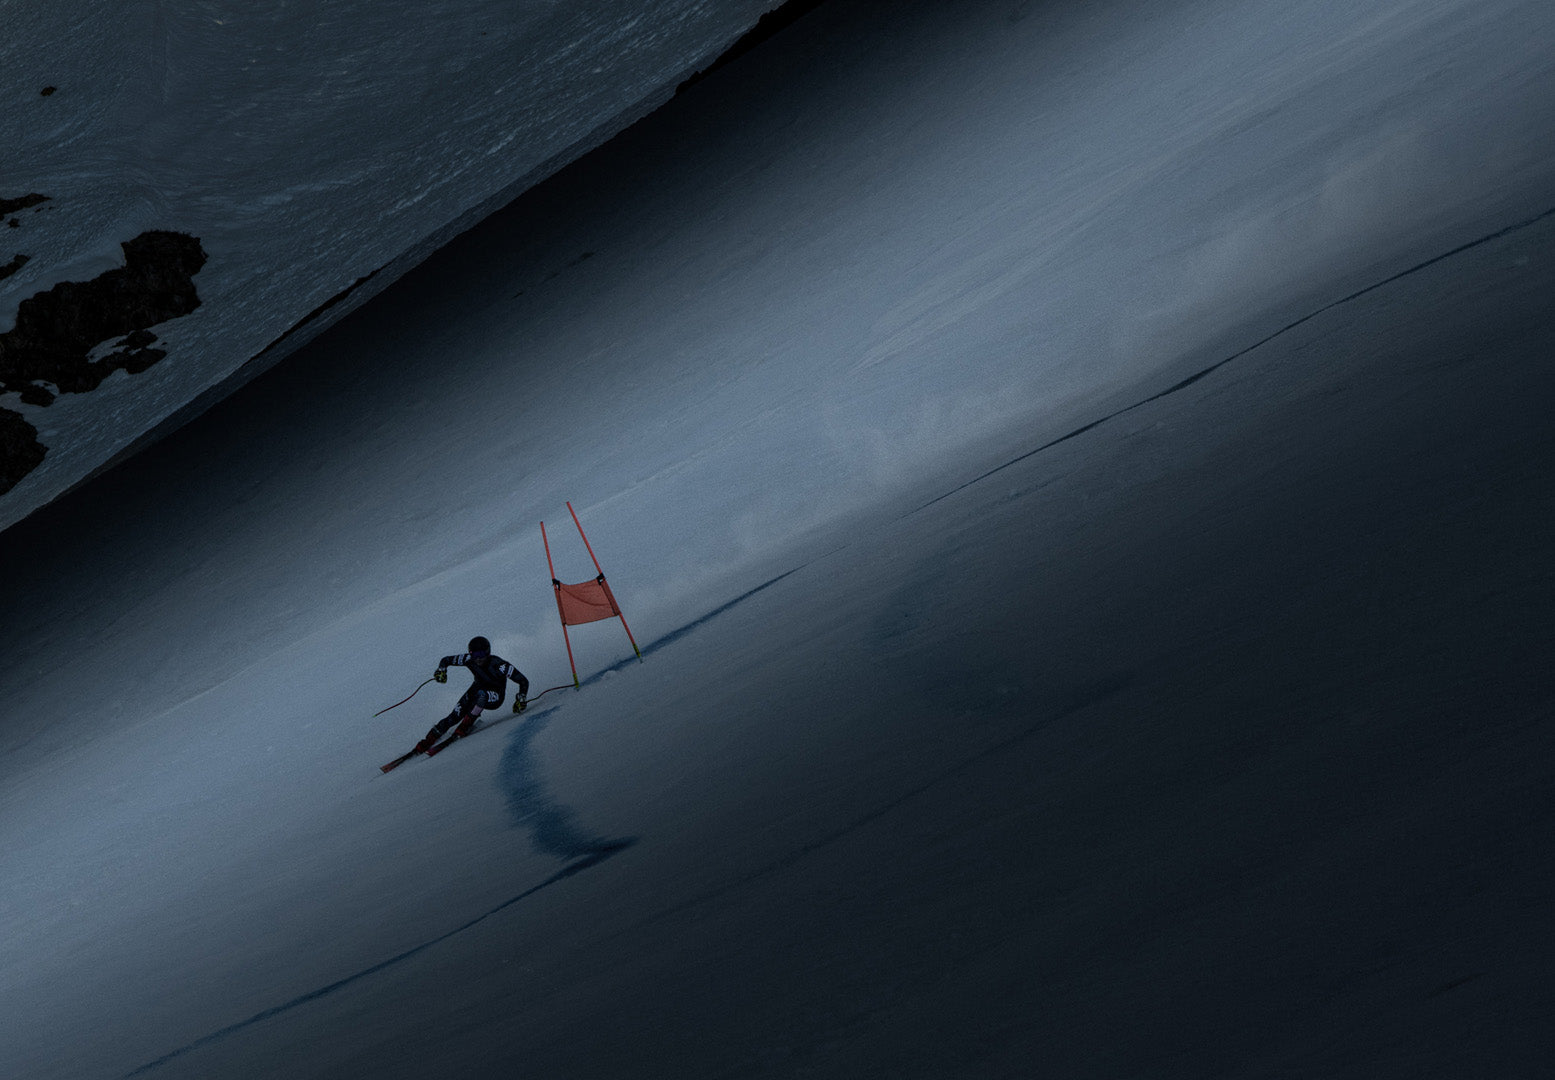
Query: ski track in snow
[
  {"x": 552, "y": 832},
  {"x": 1287, "y": 328},
  {"x": 594, "y": 858}
]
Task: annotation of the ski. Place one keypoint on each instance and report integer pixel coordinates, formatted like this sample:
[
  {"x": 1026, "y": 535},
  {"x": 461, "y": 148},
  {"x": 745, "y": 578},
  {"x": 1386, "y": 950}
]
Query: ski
[
  {"x": 481, "y": 725},
  {"x": 430, "y": 751},
  {"x": 397, "y": 762}
]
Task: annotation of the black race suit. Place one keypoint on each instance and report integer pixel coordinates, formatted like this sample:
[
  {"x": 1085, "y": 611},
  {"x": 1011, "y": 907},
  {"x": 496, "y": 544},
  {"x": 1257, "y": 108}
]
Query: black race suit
[
  {"x": 486, "y": 692},
  {"x": 491, "y": 679}
]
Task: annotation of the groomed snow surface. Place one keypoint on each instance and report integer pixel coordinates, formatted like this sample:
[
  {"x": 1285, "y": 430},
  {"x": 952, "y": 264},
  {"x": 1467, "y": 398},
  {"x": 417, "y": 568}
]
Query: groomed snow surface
[{"x": 1081, "y": 476}]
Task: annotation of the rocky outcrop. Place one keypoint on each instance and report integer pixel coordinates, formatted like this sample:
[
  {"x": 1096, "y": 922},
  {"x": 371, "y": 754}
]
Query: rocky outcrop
[
  {"x": 20, "y": 450},
  {"x": 56, "y": 330},
  {"x": 11, "y": 206},
  {"x": 48, "y": 351}
]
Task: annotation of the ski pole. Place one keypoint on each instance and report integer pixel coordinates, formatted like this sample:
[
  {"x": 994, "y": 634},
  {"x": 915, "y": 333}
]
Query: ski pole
[
  {"x": 542, "y": 693},
  {"x": 528, "y": 701},
  {"x": 397, "y": 704}
]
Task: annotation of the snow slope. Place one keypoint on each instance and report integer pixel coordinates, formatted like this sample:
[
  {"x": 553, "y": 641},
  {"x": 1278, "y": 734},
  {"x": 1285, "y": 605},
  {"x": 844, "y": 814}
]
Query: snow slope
[
  {"x": 317, "y": 152},
  {"x": 1082, "y": 482}
]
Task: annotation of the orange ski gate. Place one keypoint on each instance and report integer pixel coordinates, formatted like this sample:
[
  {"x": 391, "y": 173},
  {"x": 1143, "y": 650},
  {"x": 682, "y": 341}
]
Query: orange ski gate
[{"x": 585, "y": 602}]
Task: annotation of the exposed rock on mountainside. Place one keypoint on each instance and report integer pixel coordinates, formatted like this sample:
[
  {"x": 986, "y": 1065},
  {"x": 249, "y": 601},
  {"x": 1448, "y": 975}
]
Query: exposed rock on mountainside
[
  {"x": 11, "y": 206},
  {"x": 20, "y": 450},
  {"x": 48, "y": 351}
]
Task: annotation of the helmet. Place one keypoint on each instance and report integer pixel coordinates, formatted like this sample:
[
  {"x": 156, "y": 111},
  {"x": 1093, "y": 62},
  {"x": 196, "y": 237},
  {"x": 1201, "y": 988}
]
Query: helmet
[{"x": 479, "y": 645}]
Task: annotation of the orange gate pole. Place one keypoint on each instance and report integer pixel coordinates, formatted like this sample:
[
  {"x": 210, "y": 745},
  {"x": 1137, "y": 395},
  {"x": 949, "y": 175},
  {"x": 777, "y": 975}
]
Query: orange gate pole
[
  {"x": 608, "y": 593},
  {"x": 562, "y": 615}
]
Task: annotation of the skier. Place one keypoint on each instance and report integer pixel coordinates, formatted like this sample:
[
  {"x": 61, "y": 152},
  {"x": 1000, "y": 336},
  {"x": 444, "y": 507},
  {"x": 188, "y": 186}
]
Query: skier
[{"x": 486, "y": 692}]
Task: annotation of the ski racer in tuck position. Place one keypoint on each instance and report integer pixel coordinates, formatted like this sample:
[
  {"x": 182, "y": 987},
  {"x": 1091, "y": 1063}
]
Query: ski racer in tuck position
[{"x": 486, "y": 692}]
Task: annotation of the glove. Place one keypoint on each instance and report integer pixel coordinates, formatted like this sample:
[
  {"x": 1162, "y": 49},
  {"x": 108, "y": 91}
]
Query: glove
[
  {"x": 441, "y": 674},
  {"x": 519, "y": 703}
]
